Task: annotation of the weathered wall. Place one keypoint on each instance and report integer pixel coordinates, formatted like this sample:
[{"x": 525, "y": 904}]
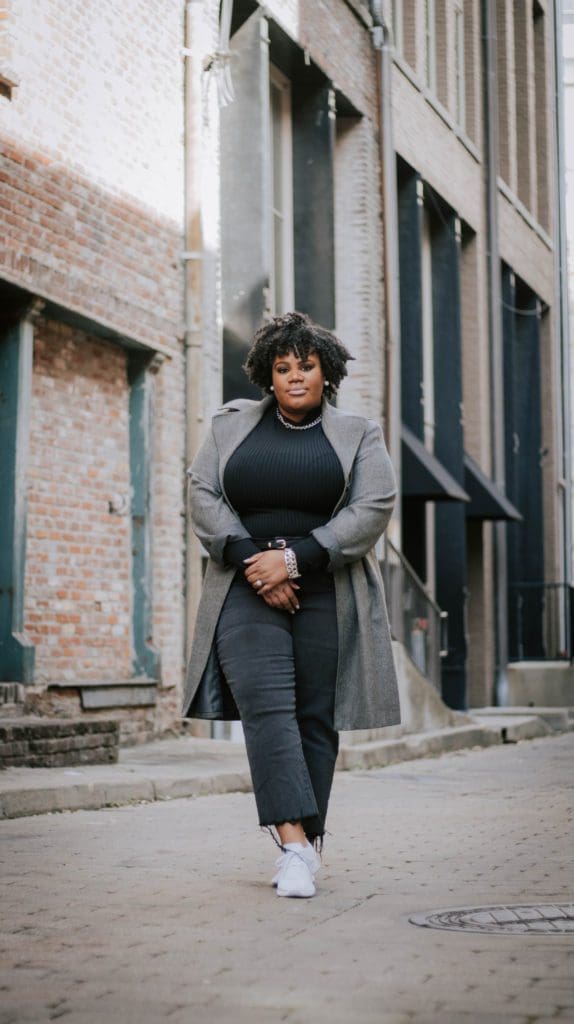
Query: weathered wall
[
  {"x": 91, "y": 214},
  {"x": 91, "y": 144},
  {"x": 78, "y": 584}
]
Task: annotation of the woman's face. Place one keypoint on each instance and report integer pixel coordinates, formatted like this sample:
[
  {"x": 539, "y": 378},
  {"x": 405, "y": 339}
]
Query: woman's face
[{"x": 298, "y": 384}]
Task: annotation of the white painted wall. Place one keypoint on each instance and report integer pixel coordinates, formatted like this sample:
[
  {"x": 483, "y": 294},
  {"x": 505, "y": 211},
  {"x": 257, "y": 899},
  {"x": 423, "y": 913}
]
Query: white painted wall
[{"x": 101, "y": 88}]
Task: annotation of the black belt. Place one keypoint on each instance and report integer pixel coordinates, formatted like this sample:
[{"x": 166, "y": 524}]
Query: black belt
[{"x": 274, "y": 543}]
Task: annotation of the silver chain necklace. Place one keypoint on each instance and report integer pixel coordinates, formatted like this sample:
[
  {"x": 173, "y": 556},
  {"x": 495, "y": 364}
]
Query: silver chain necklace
[{"x": 293, "y": 426}]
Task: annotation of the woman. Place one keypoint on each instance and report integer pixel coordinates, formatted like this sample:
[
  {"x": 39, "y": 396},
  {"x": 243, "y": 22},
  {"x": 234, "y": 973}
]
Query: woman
[{"x": 289, "y": 496}]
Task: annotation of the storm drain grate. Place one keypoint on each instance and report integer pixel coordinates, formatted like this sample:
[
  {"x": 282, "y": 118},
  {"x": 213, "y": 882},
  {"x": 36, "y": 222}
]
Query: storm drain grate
[{"x": 513, "y": 919}]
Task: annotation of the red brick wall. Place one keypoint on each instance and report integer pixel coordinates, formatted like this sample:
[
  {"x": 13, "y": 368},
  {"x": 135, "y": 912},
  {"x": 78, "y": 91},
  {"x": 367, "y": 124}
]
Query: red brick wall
[
  {"x": 81, "y": 246},
  {"x": 77, "y": 586}
]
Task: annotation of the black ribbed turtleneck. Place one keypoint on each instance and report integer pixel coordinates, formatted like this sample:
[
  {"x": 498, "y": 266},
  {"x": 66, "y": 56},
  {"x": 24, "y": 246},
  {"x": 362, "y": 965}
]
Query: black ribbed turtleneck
[{"x": 283, "y": 482}]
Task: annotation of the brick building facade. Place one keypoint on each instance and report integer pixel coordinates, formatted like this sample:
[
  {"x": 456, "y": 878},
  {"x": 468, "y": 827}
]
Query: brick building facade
[
  {"x": 92, "y": 354},
  {"x": 475, "y": 123},
  {"x": 149, "y": 228}
]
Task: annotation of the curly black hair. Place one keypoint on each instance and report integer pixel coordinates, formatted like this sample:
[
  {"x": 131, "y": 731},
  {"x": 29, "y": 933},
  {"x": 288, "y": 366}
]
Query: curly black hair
[{"x": 295, "y": 332}]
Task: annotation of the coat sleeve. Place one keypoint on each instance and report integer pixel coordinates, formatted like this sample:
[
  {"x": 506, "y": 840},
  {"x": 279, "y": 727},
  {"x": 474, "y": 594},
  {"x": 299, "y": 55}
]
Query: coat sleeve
[
  {"x": 213, "y": 520},
  {"x": 372, "y": 488}
]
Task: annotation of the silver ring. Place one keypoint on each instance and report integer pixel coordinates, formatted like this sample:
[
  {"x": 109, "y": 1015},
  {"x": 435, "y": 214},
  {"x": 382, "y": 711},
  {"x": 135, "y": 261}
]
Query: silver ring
[{"x": 258, "y": 583}]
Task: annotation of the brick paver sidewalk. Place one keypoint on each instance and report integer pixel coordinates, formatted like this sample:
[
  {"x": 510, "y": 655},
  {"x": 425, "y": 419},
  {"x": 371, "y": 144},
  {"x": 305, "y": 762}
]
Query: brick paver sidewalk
[{"x": 163, "y": 912}]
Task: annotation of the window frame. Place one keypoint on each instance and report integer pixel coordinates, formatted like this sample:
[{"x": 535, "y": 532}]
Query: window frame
[
  {"x": 281, "y": 300},
  {"x": 430, "y": 45},
  {"x": 398, "y": 26},
  {"x": 459, "y": 63}
]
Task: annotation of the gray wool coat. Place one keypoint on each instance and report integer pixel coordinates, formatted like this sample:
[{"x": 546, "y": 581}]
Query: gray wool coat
[{"x": 366, "y": 687}]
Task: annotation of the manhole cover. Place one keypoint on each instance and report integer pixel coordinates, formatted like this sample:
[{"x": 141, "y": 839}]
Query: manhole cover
[{"x": 513, "y": 919}]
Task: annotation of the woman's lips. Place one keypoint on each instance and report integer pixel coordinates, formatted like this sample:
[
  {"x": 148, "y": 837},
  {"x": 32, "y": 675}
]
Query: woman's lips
[{"x": 297, "y": 391}]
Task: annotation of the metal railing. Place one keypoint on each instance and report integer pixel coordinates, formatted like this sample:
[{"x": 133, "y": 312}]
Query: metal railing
[
  {"x": 540, "y": 622},
  {"x": 415, "y": 618}
]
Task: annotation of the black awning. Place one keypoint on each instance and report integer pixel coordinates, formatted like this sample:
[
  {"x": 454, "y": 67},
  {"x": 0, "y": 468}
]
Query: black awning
[
  {"x": 423, "y": 476},
  {"x": 487, "y": 499}
]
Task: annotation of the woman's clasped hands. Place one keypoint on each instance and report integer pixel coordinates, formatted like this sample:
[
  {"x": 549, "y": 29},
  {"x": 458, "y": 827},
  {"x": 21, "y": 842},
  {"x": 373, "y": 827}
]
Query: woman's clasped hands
[{"x": 267, "y": 574}]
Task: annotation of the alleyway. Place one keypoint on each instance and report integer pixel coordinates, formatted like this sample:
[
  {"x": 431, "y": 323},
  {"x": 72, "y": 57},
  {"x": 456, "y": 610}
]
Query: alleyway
[{"x": 164, "y": 912}]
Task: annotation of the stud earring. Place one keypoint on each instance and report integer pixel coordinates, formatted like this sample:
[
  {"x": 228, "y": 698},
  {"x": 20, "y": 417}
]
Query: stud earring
[
  {"x": 271, "y": 388},
  {"x": 327, "y": 384}
]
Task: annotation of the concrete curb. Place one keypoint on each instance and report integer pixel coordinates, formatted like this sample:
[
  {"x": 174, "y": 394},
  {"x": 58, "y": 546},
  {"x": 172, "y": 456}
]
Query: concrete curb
[
  {"x": 175, "y": 769},
  {"x": 17, "y": 803}
]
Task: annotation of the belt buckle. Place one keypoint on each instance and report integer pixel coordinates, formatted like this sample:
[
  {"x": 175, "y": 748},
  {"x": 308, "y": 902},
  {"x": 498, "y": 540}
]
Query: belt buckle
[{"x": 279, "y": 543}]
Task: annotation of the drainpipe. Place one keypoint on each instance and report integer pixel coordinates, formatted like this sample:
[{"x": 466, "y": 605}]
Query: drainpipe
[
  {"x": 490, "y": 93},
  {"x": 383, "y": 44},
  {"x": 561, "y": 299},
  {"x": 193, "y": 279}
]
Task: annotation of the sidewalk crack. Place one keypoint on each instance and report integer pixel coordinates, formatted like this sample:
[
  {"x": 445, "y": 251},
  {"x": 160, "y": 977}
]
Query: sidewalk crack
[{"x": 339, "y": 913}]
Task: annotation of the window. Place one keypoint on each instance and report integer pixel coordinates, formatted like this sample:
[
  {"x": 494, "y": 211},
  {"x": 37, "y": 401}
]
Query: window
[
  {"x": 398, "y": 25},
  {"x": 471, "y": 68},
  {"x": 427, "y": 396},
  {"x": 427, "y": 383},
  {"x": 281, "y": 285},
  {"x": 407, "y": 19},
  {"x": 459, "y": 64},
  {"x": 504, "y": 98},
  {"x": 430, "y": 44},
  {"x": 441, "y": 52},
  {"x": 276, "y": 192},
  {"x": 524, "y": 126},
  {"x": 541, "y": 108}
]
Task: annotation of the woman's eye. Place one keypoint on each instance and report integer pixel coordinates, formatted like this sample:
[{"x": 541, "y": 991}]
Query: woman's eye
[{"x": 308, "y": 366}]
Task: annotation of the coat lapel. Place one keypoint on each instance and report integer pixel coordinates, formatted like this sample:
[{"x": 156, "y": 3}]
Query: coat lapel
[
  {"x": 344, "y": 432},
  {"x": 231, "y": 427}
]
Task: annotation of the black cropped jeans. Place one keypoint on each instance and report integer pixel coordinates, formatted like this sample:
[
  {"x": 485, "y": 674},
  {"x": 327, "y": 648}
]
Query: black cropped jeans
[{"x": 281, "y": 669}]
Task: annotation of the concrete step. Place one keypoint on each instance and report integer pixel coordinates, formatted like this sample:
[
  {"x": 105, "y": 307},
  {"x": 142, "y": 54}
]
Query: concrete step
[
  {"x": 30, "y": 741},
  {"x": 513, "y": 728},
  {"x": 9, "y": 711},
  {"x": 559, "y": 719},
  {"x": 378, "y": 753}
]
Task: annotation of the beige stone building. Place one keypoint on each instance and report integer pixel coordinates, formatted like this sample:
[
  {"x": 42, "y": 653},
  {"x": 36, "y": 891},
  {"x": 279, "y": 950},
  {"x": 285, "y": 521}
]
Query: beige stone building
[
  {"x": 474, "y": 125},
  {"x": 167, "y": 183}
]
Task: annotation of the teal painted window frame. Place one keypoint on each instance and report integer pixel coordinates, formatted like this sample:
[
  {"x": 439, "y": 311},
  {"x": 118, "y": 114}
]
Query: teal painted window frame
[
  {"x": 146, "y": 658},
  {"x": 17, "y": 653}
]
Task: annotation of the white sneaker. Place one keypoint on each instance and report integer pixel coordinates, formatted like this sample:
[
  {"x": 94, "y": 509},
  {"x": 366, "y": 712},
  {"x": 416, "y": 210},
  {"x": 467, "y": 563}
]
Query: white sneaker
[
  {"x": 308, "y": 852},
  {"x": 295, "y": 876}
]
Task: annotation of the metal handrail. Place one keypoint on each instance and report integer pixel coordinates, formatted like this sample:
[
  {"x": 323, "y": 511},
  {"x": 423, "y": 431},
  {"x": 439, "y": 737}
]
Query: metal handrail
[{"x": 415, "y": 618}]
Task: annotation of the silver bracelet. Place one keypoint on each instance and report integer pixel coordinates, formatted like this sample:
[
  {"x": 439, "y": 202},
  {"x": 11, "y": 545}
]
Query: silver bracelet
[{"x": 291, "y": 564}]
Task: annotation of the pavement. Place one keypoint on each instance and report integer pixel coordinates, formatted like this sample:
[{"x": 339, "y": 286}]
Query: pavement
[
  {"x": 186, "y": 766},
  {"x": 162, "y": 911}
]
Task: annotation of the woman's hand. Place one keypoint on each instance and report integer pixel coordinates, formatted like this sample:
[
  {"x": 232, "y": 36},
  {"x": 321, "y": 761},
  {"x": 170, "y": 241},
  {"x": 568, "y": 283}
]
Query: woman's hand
[
  {"x": 283, "y": 596},
  {"x": 266, "y": 570}
]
